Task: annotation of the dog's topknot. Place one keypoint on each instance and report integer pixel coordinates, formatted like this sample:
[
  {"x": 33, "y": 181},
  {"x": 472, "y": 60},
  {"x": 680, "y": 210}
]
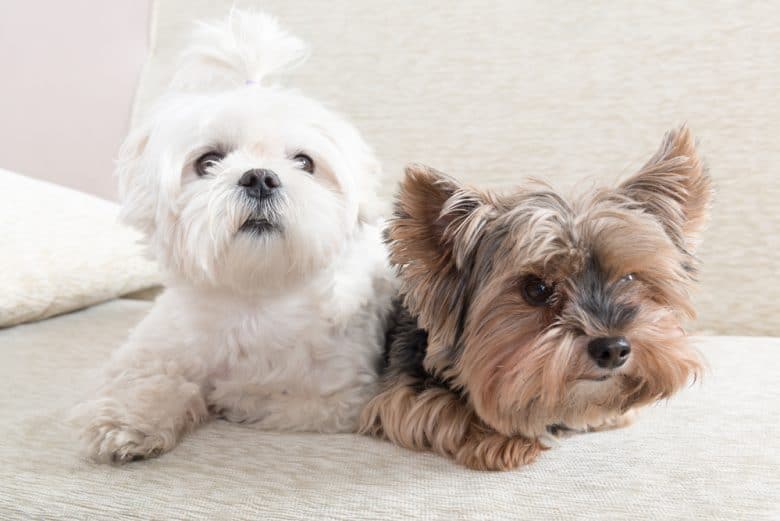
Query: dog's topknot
[{"x": 244, "y": 48}]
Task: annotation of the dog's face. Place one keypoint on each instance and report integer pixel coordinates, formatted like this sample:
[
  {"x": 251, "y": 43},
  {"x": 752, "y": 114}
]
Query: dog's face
[
  {"x": 254, "y": 188},
  {"x": 547, "y": 311}
]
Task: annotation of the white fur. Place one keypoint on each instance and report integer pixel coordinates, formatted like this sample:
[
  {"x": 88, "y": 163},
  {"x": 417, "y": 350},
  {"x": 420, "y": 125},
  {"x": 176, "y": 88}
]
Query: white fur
[
  {"x": 244, "y": 47},
  {"x": 282, "y": 329}
]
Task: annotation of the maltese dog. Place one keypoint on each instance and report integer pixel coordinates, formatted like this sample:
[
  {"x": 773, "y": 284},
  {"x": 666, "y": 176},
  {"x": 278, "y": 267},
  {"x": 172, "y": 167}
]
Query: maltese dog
[{"x": 259, "y": 205}]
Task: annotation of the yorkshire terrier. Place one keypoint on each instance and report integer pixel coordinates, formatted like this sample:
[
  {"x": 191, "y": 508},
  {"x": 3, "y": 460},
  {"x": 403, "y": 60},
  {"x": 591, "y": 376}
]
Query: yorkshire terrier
[{"x": 523, "y": 316}]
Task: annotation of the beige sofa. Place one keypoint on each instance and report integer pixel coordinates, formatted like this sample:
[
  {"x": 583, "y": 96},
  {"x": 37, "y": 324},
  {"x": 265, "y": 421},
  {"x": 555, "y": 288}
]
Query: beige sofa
[{"x": 487, "y": 91}]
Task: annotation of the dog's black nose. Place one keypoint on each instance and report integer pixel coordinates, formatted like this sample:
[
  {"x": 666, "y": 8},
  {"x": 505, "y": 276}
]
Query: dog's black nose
[
  {"x": 260, "y": 183},
  {"x": 609, "y": 352}
]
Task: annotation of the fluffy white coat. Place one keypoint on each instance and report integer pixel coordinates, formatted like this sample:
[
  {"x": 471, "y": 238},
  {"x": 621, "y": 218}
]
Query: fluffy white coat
[{"x": 275, "y": 308}]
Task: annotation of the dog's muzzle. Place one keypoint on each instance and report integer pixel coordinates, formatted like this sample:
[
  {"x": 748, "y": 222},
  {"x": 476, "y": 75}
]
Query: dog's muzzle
[{"x": 260, "y": 186}]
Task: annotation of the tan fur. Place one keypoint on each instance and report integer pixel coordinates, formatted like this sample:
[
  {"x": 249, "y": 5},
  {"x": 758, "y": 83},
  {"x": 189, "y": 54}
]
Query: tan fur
[
  {"x": 437, "y": 420},
  {"x": 505, "y": 370},
  {"x": 674, "y": 185},
  {"x": 433, "y": 419}
]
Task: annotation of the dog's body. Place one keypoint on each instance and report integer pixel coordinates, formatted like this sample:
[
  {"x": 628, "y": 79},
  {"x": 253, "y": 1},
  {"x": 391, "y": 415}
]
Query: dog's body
[
  {"x": 525, "y": 316},
  {"x": 303, "y": 360},
  {"x": 259, "y": 205}
]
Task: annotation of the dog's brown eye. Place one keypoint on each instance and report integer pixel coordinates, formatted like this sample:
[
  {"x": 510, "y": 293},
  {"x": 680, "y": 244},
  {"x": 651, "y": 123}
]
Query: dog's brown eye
[
  {"x": 628, "y": 277},
  {"x": 536, "y": 291},
  {"x": 206, "y": 161},
  {"x": 304, "y": 162}
]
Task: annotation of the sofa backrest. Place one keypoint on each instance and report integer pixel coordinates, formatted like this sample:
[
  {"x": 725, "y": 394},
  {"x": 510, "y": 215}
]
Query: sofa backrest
[{"x": 495, "y": 91}]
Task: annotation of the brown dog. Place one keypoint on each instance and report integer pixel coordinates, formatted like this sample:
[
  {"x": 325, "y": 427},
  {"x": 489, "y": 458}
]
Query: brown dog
[{"x": 525, "y": 315}]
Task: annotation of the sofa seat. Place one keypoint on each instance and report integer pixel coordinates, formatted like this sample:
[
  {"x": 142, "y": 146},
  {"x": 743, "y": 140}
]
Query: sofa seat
[{"x": 711, "y": 452}]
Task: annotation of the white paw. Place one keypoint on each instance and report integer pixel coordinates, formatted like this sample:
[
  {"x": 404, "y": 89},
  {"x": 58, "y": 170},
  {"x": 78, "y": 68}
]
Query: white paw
[
  {"x": 109, "y": 442},
  {"x": 139, "y": 421},
  {"x": 615, "y": 422}
]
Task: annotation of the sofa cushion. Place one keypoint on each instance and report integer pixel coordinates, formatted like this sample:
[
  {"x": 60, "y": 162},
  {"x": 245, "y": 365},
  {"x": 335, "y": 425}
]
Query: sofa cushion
[
  {"x": 62, "y": 250},
  {"x": 710, "y": 452}
]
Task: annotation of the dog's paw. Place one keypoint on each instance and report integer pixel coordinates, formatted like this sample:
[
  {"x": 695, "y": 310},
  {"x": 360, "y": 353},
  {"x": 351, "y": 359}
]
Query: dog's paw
[
  {"x": 137, "y": 418},
  {"x": 111, "y": 434},
  {"x": 493, "y": 451},
  {"x": 109, "y": 442},
  {"x": 615, "y": 422}
]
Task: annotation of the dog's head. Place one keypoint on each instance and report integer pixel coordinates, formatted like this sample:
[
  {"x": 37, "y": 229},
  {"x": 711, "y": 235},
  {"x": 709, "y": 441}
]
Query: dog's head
[
  {"x": 238, "y": 183},
  {"x": 550, "y": 311}
]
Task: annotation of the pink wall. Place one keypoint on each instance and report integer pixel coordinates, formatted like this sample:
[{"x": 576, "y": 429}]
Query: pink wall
[{"x": 68, "y": 73}]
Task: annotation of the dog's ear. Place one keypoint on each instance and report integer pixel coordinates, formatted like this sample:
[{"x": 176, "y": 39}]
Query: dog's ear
[
  {"x": 371, "y": 208},
  {"x": 436, "y": 220},
  {"x": 433, "y": 236},
  {"x": 138, "y": 206},
  {"x": 675, "y": 187}
]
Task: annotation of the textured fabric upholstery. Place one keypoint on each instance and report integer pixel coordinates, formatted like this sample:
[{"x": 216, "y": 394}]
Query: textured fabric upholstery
[{"x": 711, "y": 452}]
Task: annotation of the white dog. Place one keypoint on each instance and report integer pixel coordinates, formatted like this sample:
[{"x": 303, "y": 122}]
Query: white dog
[{"x": 259, "y": 205}]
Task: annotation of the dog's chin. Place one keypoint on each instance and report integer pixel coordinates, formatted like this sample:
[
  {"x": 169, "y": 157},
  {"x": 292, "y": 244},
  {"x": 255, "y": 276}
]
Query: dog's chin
[
  {"x": 602, "y": 378},
  {"x": 598, "y": 377}
]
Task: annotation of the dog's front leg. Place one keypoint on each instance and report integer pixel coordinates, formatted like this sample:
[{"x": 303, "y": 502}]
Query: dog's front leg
[
  {"x": 439, "y": 420},
  {"x": 145, "y": 404},
  {"x": 483, "y": 449}
]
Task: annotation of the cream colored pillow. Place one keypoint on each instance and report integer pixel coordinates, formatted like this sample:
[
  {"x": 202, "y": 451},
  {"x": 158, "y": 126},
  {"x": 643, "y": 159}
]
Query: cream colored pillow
[{"x": 62, "y": 250}]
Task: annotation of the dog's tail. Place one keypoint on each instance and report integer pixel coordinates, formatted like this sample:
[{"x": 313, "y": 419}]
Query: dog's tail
[{"x": 244, "y": 48}]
